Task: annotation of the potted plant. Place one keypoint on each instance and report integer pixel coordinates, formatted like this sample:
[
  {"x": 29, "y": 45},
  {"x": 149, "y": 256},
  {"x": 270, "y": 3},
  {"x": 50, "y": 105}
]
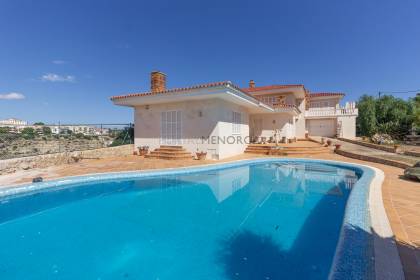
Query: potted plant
[
  {"x": 201, "y": 155},
  {"x": 396, "y": 148},
  {"x": 337, "y": 146},
  {"x": 143, "y": 150},
  {"x": 135, "y": 153},
  {"x": 329, "y": 142},
  {"x": 322, "y": 140}
]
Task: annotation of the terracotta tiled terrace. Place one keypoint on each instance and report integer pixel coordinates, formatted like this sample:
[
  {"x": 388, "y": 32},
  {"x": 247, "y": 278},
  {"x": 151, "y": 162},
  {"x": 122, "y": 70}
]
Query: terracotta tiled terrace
[{"x": 401, "y": 197}]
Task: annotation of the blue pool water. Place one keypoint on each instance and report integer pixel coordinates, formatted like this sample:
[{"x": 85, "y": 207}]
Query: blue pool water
[{"x": 257, "y": 221}]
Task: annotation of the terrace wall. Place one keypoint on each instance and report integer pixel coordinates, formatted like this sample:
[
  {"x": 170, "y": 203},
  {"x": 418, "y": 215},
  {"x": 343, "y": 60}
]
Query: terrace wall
[{"x": 42, "y": 161}]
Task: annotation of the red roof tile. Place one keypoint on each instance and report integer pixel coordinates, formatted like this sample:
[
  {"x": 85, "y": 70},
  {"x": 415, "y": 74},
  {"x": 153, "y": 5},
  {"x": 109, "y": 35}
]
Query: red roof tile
[
  {"x": 270, "y": 87},
  {"x": 321, "y": 94},
  {"x": 215, "y": 84}
]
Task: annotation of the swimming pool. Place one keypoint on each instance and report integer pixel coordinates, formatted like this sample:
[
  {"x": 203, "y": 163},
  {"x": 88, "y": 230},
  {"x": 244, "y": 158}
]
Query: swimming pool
[{"x": 265, "y": 219}]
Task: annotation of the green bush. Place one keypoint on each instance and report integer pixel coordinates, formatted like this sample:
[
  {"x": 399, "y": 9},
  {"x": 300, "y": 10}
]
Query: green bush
[
  {"x": 79, "y": 135},
  {"x": 46, "y": 130},
  {"x": 4, "y": 130}
]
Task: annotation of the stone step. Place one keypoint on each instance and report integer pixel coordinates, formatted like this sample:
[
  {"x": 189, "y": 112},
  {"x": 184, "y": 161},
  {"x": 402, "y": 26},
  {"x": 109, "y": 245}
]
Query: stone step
[
  {"x": 308, "y": 152},
  {"x": 172, "y": 147},
  {"x": 260, "y": 146},
  {"x": 170, "y": 153},
  {"x": 281, "y": 150},
  {"x": 284, "y": 147},
  {"x": 274, "y": 152},
  {"x": 164, "y": 153},
  {"x": 170, "y": 157},
  {"x": 256, "y": 152},
  {"x": 300, "y": 149}
]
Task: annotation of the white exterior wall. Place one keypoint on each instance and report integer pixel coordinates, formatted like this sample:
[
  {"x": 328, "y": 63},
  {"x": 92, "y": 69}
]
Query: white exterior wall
[
  {"x": 210, "y": 118},
  {"x": 270, "y": 122},
  {"x": 300, "y": 121},
  {"x": 228, "y": 149},
  {"x": 348, "y": 126}
]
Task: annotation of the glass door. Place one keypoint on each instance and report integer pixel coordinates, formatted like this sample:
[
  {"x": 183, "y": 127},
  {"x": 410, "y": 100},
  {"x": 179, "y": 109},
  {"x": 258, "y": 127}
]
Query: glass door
[{"x": 171, "y": 128}]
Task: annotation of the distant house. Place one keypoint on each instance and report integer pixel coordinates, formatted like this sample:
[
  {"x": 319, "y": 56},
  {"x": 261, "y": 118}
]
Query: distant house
[
  {"x": 13, "y": 125},
  {"x": 221, "y": 118},
  {"x": 12, "y": 122}
]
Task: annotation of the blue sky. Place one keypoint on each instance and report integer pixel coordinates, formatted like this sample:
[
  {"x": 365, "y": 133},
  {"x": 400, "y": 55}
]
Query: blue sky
[{"x": 62, "y": 60}]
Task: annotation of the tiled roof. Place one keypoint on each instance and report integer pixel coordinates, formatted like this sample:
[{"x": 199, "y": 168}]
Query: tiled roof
[
  {"x": 320, "y": 94},
  {"x": 254, "y": 89},
  {"x": 208, "y": 85}
]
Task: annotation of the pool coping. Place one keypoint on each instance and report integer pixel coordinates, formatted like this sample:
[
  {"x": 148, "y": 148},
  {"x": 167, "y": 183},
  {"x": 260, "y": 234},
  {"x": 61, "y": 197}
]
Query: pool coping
[{"x": 364, "y": 211}]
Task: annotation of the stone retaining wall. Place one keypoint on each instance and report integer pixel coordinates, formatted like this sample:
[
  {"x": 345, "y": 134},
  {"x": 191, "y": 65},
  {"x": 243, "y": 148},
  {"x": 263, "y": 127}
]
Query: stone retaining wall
[
  {"x": 411, "y": 153},
  {"x": 369, "y": 145},
  {"x": 42, "y": 161},
  {"x": 19, "y": 147},
  {"x": 372, "y": 159}
]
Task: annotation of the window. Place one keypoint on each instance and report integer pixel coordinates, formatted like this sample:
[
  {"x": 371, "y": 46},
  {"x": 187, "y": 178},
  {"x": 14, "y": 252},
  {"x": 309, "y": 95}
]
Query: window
[
  {"x": 270, "y": 99},
  {"x": 236, "y": 185},
  {"x": 315, "y": 105},
  {"x": 236, "y": 122}
]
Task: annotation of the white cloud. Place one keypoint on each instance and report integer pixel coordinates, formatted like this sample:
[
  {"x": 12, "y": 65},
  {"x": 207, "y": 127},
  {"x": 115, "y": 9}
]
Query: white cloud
[
  {"x": 51, "y": 77},
  {"x": 58, "y": 61},
  {"x": 12, "y": 96}
]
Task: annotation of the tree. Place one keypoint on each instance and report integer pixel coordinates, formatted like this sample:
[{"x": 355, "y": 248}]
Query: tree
[
  {"x": 39, "y": 123},
  {"x": 387, "y": 114},
  {"x": 124, "y": 136},
  {"x": 28, "y": 133},
  {"x": 46, "y": 130},
  {"x": 416, "y": 109},
  {"x": 394, "y": 116},
  {"x": 366, "y": 121},
  {"x": 79, "y": 135}
]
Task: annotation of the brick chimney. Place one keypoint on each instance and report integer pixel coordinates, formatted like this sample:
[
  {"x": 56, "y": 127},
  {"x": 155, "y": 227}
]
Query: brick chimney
[
  {"x": 157, "y": 81},
  {"x": 251, "y": 84}
]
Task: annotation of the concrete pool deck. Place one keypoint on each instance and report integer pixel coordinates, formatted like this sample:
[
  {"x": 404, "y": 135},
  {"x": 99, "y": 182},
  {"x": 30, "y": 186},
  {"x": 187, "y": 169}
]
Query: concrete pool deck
[{"x": 401, "y": 197}]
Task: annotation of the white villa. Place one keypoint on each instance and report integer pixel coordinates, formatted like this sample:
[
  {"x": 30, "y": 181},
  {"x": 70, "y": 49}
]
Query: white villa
[{"x": 222, "y": 119}]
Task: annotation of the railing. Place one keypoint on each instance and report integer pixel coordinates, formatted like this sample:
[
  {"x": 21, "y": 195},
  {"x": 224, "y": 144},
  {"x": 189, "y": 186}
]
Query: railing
[
  {"x": 282, "y": 105},
  {"x": 331, "y": 112}
]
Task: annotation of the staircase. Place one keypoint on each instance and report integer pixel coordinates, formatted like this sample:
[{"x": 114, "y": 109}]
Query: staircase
[
  {"x": 283, "y": 151},
  {"x": 170, "y": 153}
]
